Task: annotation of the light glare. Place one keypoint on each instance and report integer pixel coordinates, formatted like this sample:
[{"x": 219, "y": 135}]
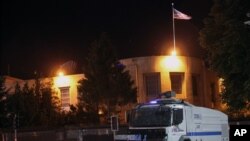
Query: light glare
[
  {"x": 173, "y": 53},
  {"x": 60, "y": 73}
]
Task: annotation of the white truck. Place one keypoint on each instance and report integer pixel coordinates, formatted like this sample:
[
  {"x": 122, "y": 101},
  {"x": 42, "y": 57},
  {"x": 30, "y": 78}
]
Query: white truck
[{"x": 170, "y": 119}]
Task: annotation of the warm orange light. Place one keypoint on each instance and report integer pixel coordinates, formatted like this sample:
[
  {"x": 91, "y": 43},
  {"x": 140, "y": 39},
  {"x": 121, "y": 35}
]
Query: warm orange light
[
  {"x": 100, "y": 111},
  {"x": 60, "y": 73},
  {"x": 221, "y": 85},
  {"x": 61, "y": 80},
  {"x": 171, "y": 63},
  {"x": 173, "y": 53}
]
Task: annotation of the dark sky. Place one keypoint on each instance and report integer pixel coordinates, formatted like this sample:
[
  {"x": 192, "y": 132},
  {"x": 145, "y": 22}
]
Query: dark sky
[{"x": 41, "y": 35}]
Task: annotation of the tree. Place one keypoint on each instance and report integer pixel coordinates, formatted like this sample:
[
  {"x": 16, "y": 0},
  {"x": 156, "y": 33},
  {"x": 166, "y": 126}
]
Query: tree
[
  {"x": 3, "y": 95},
  {"x": 107, "y": 84},
  {"x": 226, "y": 39},
  {"x": 47, "y": 103},
  {"x": 15, "y": 106},
  {"x": 34, "y": 106}
]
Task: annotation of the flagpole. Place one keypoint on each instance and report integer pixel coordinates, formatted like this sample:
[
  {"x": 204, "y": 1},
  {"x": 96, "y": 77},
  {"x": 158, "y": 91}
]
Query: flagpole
[{"x": 173, "y": 27}]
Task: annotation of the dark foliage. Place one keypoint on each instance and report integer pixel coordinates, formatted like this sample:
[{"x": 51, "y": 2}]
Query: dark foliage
[
  {"x": 226, "y": 39},
  {"x": 107, "y": 83},
  {"x": 33, "y": 106},
  {"x": 3, "y": 110}
]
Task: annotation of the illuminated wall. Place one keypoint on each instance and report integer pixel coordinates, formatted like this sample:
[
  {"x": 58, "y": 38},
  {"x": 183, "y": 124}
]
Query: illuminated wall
[
  {"x": 10, "y": 83},
  {"x": 153, "y": 75},
  {"x": 61, "y": 83},
  {"x": 187, "y": 75},
  {"x": 68, "y": 82}
]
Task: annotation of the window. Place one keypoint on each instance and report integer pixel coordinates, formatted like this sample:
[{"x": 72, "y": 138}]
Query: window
[
  {"x": 176, "y": 79},
  {"x": 65, "y": 97},
  {"x": 152, "y": 84},
  {"x": 195, "y": 84}
]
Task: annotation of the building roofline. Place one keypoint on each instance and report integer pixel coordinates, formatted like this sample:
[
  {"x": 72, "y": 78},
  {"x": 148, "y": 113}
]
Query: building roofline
[
  {"x": 135, "y": 58},
  {"x": 12, "y": 78}
]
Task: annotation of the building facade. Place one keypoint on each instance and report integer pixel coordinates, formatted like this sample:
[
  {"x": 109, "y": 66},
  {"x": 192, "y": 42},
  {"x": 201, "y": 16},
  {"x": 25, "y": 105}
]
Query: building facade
[
  {"x": 65, "y": 87},
  {"x": 187, "y": 76}
]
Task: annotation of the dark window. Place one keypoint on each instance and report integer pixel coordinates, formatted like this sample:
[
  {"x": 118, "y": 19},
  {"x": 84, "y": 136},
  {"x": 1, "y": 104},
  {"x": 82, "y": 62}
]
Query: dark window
[
  {"x": 195, "y": 84},
  {"x": 152, "y": 84},
  {"x": 176, "y": 79}
]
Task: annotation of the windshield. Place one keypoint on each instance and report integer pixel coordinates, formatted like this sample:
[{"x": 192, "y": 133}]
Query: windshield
[{"x": 151, "y": 115}]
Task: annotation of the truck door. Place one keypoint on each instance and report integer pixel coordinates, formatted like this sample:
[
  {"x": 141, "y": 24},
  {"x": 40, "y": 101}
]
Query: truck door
[
  {"x": 190, "y": 124},
  {"x": 179, "y": 124},
  {"x": 197, "y": 126}
]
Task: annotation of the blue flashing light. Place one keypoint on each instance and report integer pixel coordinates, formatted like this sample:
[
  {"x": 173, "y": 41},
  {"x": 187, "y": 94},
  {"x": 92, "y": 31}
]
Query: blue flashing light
[{"x": 153, "y": 102}]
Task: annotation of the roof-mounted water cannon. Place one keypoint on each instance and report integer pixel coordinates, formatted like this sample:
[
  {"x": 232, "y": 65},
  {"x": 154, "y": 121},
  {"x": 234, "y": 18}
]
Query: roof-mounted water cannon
[{"x": 168, "y": 94}]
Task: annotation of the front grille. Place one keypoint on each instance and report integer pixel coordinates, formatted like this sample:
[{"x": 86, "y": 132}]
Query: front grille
[{"x": 150, "y": 133}]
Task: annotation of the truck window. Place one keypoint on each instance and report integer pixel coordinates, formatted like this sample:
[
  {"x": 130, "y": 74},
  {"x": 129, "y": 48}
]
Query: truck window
[
  {"x": 151, "y": 116},
  {"x": 177, "y": 116}
]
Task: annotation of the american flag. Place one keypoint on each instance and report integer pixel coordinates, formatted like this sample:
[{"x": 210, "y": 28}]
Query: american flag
[{"x": 179, "y": 15}]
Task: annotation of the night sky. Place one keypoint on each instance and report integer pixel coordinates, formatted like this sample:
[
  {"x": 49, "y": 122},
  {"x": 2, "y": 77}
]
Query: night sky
[{"x": 41, "y": 35}]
